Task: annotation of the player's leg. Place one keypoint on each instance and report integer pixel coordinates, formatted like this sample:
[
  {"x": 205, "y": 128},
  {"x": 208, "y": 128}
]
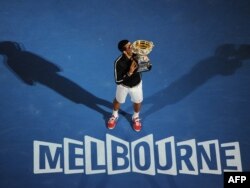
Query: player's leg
[
  {"x": 137, "y": 98},
  {"x": 121, "y": 94}
]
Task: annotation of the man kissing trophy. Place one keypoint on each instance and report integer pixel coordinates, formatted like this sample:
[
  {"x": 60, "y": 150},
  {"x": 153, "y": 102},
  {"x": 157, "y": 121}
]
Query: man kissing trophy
[{"x": 141, "y": 49}]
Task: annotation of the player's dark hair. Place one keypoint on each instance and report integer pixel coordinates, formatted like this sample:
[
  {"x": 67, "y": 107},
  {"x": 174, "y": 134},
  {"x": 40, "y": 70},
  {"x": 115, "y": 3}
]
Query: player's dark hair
[{"x": 121, "y": 44}]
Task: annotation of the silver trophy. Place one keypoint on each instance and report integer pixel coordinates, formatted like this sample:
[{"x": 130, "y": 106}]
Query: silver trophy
[{"x": 142, "y": 48}]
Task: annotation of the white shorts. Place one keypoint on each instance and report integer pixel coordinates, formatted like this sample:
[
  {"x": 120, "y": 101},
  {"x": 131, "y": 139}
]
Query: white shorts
[{"x": 134, "y": 92}]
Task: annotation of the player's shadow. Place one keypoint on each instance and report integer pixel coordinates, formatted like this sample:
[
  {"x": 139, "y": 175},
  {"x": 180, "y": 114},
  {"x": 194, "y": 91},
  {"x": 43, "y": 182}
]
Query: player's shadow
[
  {"x": 32, "y": 69},
  {"x": 226, "y": 60}
]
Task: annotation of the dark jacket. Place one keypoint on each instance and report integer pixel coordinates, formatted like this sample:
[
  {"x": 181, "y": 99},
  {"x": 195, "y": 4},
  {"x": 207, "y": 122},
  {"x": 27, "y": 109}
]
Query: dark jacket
[{"x": 122, "y": 66}]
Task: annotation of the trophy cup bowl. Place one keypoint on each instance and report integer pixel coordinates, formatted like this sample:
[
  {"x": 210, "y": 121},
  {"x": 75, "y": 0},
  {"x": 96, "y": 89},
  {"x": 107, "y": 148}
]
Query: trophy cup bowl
[{"x": 141, "y": 49}]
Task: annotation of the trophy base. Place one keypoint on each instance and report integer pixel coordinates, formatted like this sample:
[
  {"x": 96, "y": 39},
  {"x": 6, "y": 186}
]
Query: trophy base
[{"x": 144, "y": 66}]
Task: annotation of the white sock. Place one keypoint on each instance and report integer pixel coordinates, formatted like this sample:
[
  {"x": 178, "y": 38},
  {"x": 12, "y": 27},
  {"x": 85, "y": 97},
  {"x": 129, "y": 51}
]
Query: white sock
[
  {"x": 115, "y": 113},
  {"x": 135, "y": 115}
]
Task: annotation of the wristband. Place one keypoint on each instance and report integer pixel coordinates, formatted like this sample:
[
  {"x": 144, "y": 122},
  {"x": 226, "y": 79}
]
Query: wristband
[{"x": 129, "y": 74}]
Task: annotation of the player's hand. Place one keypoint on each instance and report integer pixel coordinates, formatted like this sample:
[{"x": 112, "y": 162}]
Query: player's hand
[{"x": 133, "y": 66}]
